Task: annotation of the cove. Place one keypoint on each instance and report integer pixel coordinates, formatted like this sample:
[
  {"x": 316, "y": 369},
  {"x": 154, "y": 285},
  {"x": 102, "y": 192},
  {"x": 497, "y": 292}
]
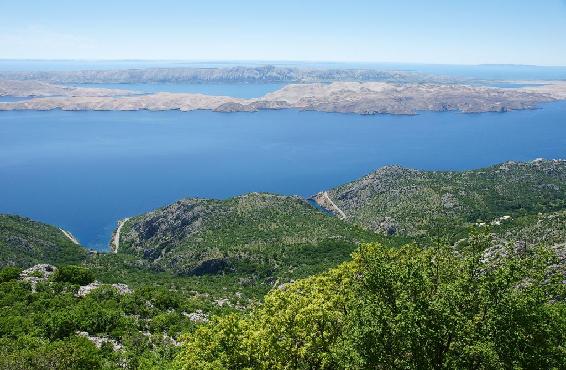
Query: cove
[{"x": 83, "y": 171}]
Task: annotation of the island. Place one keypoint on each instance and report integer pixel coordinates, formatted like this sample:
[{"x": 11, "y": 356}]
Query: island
[
  {"x": 238, "y": 74},
  {"x": 342, "y": 97}
]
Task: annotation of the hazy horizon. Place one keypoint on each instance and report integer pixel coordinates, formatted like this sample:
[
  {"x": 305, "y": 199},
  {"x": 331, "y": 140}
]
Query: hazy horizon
[
  {"x": 405, "y": 32},
  {"x": 274, "y": 62}
]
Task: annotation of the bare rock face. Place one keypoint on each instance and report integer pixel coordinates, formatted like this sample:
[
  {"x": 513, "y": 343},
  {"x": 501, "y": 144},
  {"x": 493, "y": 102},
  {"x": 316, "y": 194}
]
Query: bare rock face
[
  {"x": 87, "y": 289},
  {"x": 198, "y": 316},
  {"x": 38, "y": 273},
  {"x": 382, "y": 97},
  {"x": 234, "y": 107},
  {"x": 342, "y": 97},
  {"x": 221, "y": 302},
  {"x": 165, "y": 227},
  {"x": 211, "y": 237},
  {"x": 100, "y": 341}
]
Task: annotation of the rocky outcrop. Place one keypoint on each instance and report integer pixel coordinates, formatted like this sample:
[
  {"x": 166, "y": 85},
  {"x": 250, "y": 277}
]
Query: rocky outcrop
[
  {"x": 197, "y": 317},
  {"x": 37, "y": 274},
  {"x": 84, "y": 290},
  {"x": 101, "y": 341}
]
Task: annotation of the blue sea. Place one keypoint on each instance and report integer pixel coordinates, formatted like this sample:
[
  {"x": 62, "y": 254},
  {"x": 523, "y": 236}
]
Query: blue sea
[
  {"x": 85, "y": 170},
  {"x": 8, "y": 99}
]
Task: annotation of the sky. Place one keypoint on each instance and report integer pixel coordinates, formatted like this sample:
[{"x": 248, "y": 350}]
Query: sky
[{"x": 400, "y": 31}]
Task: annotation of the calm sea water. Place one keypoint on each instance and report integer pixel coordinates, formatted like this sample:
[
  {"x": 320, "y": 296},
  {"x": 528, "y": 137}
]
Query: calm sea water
[
  {"x": 85, "y": 170},
  {"x": 7, "y": 99}
]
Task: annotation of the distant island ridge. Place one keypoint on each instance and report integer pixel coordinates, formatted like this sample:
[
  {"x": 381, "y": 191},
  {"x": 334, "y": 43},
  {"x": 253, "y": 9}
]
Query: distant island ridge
[{"x": 359, "y": 91}]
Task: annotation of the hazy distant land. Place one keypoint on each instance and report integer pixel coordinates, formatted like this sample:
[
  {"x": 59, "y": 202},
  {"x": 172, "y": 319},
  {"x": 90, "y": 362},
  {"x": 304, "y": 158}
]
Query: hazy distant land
[
  {"x": 24, "y": 88},
  {"x": 324, "y": 90},
  {"x": 262, "y": 74}
]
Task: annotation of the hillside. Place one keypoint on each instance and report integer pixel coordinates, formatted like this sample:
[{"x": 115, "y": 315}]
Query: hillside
[
  {"x": 543, "y": 228},
  {"x": 256, "y": 233},
  {"x": 24, "y": 242},
  {"x": 434, "y": 204},
  {"x": 268, "y": 281},
  {"x": 398, "y": 308}
]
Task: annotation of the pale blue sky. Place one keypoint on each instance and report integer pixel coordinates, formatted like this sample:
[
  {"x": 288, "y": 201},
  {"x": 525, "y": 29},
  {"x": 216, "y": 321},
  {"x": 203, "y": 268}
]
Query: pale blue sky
[{"x": 414, "y": 31}]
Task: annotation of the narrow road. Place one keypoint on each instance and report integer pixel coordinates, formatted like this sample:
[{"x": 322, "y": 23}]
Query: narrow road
[
  {"x": 335, "y": 208},
  {"x": 70, "y": 236},
  {"x": 116, "y": 237}
]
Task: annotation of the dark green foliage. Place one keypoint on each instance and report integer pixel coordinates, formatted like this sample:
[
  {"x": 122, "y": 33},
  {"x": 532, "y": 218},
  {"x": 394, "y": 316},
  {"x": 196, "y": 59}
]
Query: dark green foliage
[
  {"x": 24, "y": 242},
  {"x": 434, "y": 309},
  {"x": 400, "y": 308},
  {"x": 36, "y": 328},
  {"x": 443, "y": 205},
  {"x": 205, "y": 289},
  {"x": 74, "y": 274},
  {"x": 9, "y": 274},
  {"x": 264, "y": 234},
  {"x": 28, "y": 353},
  {"x": 482, "y": 297}
]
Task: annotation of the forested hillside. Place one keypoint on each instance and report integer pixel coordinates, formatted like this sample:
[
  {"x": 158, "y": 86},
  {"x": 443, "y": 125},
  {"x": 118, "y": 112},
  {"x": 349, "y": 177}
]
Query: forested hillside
[
  {"x": 417, "y": 270},
  {"x": 24, "y": 242},
  {"x": 429, "y": 204},
  {"x": 263, "y": 234}
]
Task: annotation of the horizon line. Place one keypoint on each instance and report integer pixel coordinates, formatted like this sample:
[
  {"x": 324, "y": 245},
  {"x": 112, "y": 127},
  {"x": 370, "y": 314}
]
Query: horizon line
[{"x": 271, "y": 61}]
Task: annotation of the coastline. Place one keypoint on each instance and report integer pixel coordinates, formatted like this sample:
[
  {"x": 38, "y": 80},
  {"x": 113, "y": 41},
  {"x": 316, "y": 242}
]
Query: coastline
[{"x": 363, "y": 98}]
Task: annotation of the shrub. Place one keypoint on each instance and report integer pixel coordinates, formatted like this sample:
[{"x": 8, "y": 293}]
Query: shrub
[
  {"x": 74, "y": 274},
  {"x": 404, "y": 307},
  {"x": 9, "y": 274}
]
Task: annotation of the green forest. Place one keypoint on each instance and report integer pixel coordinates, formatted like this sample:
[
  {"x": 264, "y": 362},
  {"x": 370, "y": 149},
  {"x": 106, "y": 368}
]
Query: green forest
[{"x": 263, "y": 281}]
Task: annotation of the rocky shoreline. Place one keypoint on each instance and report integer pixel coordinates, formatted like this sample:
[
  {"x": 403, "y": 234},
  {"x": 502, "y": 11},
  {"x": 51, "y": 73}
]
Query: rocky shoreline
[{"x": 340, "y": 97}]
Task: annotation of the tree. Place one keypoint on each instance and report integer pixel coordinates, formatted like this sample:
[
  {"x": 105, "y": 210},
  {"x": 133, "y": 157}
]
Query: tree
[
  {"x": 9, "y": 274},
  {"x": 73, "y": 274},
  {"x": 404, "y": 307}
]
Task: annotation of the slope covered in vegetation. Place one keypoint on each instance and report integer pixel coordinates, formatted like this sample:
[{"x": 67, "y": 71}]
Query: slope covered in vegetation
[
  {"x": 430, "y": 204},
  {"x": 472, "y": 276},
  {"x": 24, "y": 242},
  {"x": 393, "y": 308},
  {"x": 263, "y": 234},
  {"x": 53, "y": 326}
]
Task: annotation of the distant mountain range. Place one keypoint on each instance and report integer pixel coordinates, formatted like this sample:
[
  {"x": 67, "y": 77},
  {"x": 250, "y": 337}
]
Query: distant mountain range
[{"x": 262, "y": 74}]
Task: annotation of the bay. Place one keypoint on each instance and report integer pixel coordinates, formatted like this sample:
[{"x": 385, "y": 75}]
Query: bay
[{"x": 83, "y": 171}]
